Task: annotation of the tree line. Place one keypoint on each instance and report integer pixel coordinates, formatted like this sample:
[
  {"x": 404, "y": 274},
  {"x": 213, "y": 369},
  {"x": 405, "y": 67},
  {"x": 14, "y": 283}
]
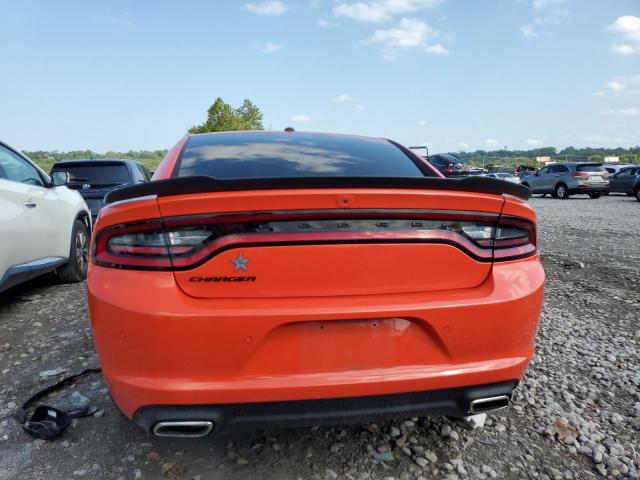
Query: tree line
[{"x": 626, "y": 155}]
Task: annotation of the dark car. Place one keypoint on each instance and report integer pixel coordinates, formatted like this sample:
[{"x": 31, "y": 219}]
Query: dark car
[
  {"x": 449, "y": 165},
  {"x": 95, "y": 178},
  {"x": 624, "y": 180}
]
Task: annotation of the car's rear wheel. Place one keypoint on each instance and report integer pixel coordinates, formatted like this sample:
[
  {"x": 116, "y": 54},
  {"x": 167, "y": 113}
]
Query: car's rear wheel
[
  {"x": 75, "y": 270},
  {"x": 637, "y": 194},
  {"x": 595, "y": 195},
  {"x": 561, "y": 191}
]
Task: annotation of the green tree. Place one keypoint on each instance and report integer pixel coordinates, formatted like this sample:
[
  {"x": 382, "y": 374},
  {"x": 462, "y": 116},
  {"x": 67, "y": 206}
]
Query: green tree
[{"x": 222, "y": 117}]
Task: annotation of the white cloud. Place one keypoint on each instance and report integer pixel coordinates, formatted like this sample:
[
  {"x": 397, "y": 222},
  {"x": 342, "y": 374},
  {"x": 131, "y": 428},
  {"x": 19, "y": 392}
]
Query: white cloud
[
  {"x": 492, "y": 142},
  {"x": 343, "y": 98},
  {"x": 628, "y": 28},
  {"x": 324, "y": 23},
  {"x": 360, "y": 11},
  {"x": 622, "y": 49},
  {"x": 615, "y": 86},
  {"x": 436, "y": 49},
  {"x": 360, "y": 107},
  {"x": 301, "y": 118},
  {"x": 376, "y": 11},
  {"x": 533, "y": 142},
  {"x": 463, "y": 146},
  {"x": 528, "y": 31},
  {"x": 422, "y": 123},
  {"x": 630, "y": 111},
  {"x": 408, "y": 34},
  {"x": 270, "y": 47},
  {"x": 270, "y": 7},
  {"x": 626, "y": 85}
]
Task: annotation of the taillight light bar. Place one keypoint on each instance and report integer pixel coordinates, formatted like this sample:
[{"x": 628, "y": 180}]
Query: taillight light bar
[
  {"x": 515, "y": 238},
  {"x": 182, "y": 243}
]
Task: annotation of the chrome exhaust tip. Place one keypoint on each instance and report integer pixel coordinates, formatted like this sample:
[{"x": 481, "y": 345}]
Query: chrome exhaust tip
[
  {"x": 184, "y": 429},
  {"x": 482, "y": 405}
]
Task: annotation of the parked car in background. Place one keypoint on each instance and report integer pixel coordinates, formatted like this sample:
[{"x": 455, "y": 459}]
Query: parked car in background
[
  {"x": 501, "y": 169},
  {"x": 564, "y": 179},
  {"x": 95, "y": 178},
  {"x": 509, "y": 177},
  {"x": 476, "y": 171},
  {"x": 44, "y": 226},
  {"x": 615, "y": 168},
  {"x": 624, "y": 180},
  {"x": 246, "y": 285},
  {"x": 522, "y": 175},
  {"x": 449, "y": 165}
]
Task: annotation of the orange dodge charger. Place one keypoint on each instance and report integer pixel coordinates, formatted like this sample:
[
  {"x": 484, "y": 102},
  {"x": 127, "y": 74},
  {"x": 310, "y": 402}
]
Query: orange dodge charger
[{"x": 276, "y": 278}]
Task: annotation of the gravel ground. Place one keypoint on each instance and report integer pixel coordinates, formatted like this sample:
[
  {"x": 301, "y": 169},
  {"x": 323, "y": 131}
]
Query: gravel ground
[{"x": 576, "y": 414}]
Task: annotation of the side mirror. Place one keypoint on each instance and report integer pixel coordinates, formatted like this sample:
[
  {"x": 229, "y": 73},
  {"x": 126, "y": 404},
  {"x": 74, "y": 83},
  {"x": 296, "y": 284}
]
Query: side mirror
[{"x": 59, "y": 178}]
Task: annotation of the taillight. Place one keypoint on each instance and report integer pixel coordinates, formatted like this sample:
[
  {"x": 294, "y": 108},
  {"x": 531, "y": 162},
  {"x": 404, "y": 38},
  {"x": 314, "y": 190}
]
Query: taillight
[
  {"x": 182, "y": 243},
  {"x": 448, "y": 170},
  {"x": 147, "y": 246},
  {"x": 514, "y": 238},
  {"x": 580, "y": 174}
]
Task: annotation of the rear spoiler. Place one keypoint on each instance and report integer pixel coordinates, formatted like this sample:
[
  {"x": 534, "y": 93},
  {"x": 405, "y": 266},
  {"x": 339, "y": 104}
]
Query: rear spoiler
[{"x": 202, "y": 184}]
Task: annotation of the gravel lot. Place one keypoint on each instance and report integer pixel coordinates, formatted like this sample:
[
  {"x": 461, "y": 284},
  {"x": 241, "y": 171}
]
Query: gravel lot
[{"x": 576, "y": 415}]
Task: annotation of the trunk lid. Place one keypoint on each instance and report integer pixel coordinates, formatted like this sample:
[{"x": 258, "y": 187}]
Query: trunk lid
[
  {"x": 319, "y": 242},
  {"x": 592, "y": 173}
]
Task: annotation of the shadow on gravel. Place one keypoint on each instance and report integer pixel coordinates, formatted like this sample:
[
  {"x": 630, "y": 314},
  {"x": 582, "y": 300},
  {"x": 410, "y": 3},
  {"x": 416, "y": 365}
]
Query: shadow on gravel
[{"x": 30, "y": 290}]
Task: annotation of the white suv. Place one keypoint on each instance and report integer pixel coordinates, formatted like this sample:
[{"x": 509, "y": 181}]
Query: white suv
[{"x": 44, "y": 226}]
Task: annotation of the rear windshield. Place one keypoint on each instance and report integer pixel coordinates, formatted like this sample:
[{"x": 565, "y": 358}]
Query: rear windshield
[
  {"x": 96, "y": 174},
  {"x": 590, "y": 168},
  {"x": 285, "y": 155}
]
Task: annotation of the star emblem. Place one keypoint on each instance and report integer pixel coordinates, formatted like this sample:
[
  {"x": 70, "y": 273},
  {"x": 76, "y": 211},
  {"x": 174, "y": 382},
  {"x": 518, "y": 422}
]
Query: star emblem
[{"x": 240, "y": 263}]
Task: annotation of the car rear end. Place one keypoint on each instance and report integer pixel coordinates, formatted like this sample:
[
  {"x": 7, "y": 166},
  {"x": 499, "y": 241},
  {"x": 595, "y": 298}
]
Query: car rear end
[
  {"x": 589, "y": 178},
  {"x": 93, "y": 179},
  {"x": 455, "y": 167},
  {"x": 317, "y": 295}
]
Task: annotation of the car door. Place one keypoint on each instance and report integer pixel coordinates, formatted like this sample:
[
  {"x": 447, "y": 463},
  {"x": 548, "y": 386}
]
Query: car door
[
  {"x": 617, "y": 179},
  {"x": 41, "y": 206},
  {"x": 557, "y": 174},
  {"x": 634, "y": 179},
  {"x": 623, "y": 181},
  {"x": 14, "y": 226},
  {"x": 536, "y": 180}
]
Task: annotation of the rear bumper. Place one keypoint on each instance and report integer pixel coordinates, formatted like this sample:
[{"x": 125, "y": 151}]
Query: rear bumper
[
  {"x": 160, "y": 347},
  {"x": 597, "y": 188},
  {"x": 261, "y": 415}
]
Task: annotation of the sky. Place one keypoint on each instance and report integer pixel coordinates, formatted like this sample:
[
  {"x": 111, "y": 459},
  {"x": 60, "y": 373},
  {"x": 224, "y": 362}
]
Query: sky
[{"x": 453, "y": 74}]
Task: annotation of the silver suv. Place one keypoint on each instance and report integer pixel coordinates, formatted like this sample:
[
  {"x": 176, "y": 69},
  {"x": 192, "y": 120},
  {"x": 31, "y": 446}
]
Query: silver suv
[{"x": 564, "y": 179}]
